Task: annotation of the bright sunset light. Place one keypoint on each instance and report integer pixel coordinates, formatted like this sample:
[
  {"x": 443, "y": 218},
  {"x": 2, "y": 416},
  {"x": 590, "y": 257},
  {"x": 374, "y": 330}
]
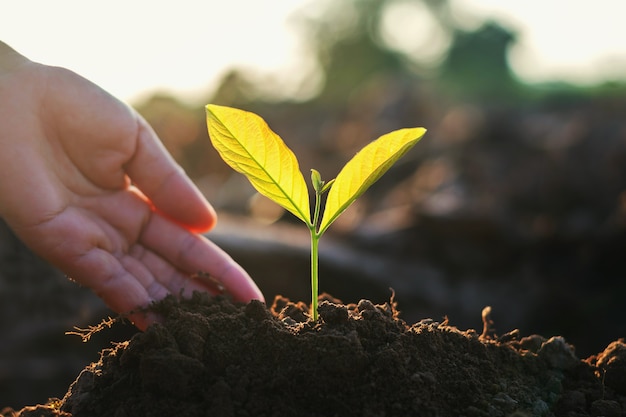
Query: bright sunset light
[{"x": 131, "y": 48}]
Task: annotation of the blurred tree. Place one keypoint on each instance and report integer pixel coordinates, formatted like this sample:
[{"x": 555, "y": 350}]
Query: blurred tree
[
  {"x": 349, "y": 40},
  {"x": 234, "y": 90},
  {"x": 345, "y": 38},
  {"x": 182, "y": 130},
  {"x": 476, "y": 64},
  {"x": 175, "y": 122}
]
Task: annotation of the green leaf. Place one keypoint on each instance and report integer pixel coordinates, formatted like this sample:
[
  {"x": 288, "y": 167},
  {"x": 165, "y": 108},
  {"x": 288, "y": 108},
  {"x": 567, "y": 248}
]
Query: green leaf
[
  {"x": 365, "y": 168},
  {"x": 250, "y": 147}
]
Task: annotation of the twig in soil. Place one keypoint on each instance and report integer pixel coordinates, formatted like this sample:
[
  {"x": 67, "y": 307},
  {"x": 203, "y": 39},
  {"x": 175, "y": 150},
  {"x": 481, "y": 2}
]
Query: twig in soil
[
  {"x": 85, "y": 334},
  {"x": 210, "y": 281},
  {"x": 489, "y": 332}
]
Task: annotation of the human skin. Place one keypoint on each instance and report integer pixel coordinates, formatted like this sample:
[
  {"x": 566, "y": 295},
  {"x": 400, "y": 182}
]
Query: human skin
[{"x": 87, "y": 185}]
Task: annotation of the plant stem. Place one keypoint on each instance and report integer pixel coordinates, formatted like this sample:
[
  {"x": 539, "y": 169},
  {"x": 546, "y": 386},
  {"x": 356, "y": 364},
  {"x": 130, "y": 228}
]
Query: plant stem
[
  {"x": 315, "y": 237},
  {"x": 314, "y": 273}
]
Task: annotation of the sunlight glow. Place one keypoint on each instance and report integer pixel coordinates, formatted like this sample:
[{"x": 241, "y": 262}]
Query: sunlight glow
[
  {"x": 411, "y": 29},
  {"x": 576, "y": 41},
  {"x": 132, "y": 48}
]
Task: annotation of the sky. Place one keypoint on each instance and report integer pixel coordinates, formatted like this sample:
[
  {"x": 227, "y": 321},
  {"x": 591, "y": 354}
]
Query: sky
[{"x": 132, "y": 48}]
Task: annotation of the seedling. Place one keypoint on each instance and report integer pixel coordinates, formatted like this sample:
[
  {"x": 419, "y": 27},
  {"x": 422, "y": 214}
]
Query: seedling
[{"x": 250, "y": 147}]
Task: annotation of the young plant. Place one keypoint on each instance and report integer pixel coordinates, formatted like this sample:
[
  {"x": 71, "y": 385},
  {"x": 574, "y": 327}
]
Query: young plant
[{"x": 250, "y": 147}]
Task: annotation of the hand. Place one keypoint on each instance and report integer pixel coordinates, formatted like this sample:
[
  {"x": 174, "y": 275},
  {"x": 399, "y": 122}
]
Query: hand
[{"x": 86, "y": 184}]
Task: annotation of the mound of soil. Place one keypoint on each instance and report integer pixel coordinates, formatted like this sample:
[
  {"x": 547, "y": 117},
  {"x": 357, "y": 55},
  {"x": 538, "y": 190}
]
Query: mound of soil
[{"x": 210, "y": 356}]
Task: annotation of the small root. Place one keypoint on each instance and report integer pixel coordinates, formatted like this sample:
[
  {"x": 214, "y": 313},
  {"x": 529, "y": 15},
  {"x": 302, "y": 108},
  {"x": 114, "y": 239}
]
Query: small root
[{"x": 85, "y": 334}]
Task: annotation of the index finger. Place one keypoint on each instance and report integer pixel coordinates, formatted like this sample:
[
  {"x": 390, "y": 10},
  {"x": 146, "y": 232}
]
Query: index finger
[
  {"x": 153, "y": 170},
  {"x": 192, "y": 253}
]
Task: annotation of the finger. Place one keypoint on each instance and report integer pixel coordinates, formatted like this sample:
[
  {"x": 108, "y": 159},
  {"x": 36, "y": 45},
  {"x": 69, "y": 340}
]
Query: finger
[
  {"x": 191, "y": 253},
  {"x": 82, "y": 248},
  {"x": 144, "y": 275},
  {"x": 130, "y": 283},
  {"x": 163, "y": 181},
  {"x": 119, "y": 289},
  {"x": 164, "y": 275}
]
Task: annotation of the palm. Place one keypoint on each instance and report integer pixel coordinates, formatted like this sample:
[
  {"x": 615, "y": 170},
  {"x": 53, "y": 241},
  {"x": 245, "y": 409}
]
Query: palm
[{"x": 129, "y": 254}]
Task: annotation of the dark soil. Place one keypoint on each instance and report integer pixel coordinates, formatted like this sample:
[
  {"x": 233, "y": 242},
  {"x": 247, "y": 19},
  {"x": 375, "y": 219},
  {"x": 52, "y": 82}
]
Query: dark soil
[{"x": 210, "y": 357}]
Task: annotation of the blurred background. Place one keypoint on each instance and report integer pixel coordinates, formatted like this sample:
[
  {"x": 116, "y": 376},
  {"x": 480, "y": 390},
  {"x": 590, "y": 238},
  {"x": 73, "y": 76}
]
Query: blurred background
[{"x": 515, "y": 198}]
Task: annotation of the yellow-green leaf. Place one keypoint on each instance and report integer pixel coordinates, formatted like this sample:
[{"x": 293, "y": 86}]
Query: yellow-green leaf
[
  {"x": 250, "y": 147},
  {"x": 365, "y": 168}
]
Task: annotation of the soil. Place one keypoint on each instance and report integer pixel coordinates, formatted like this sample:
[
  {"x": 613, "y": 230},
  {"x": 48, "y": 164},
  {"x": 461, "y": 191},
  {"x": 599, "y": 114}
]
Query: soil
[{"x": 210, "y": 356}]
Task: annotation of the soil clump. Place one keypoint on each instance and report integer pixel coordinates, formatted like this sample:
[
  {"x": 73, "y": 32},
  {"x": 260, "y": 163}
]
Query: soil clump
[{"x": 210, "y": 356}]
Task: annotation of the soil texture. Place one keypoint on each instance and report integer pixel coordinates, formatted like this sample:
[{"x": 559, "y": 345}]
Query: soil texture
[{"x": 212, "y": 357}]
